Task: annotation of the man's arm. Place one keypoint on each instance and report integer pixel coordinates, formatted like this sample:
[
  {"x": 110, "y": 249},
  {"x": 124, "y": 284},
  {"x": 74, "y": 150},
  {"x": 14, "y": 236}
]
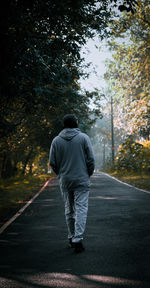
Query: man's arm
[
  {"x": 90, "y": 161},
  {"x": 52, "y": 158}
]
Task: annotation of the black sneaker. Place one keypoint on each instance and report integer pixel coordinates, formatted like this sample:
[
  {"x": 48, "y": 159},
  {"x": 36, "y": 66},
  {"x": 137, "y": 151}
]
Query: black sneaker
[
  {"x": 71, "y": 244},
  {"x": 79, "y": 247}
]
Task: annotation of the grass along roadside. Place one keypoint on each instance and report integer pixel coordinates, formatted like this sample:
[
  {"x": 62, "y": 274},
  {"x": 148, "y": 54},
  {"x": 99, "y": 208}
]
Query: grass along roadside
[
  {"x": 14, "y": 192},
  {"x": 139, "y": 180}
]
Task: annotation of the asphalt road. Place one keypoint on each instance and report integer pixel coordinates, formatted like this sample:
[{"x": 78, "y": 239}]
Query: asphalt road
[{"x": 34, "y": 251}]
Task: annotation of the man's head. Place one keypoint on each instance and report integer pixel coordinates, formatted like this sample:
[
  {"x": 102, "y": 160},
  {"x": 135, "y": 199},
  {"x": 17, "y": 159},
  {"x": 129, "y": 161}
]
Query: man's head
[{"x": 70, "y": 121}]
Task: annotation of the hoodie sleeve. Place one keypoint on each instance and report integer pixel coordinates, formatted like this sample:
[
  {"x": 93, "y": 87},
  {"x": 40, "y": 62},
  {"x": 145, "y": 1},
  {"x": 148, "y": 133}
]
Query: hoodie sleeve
[
  {"x": 52, "y": 157},
  {"x": 90, "y": 161}
]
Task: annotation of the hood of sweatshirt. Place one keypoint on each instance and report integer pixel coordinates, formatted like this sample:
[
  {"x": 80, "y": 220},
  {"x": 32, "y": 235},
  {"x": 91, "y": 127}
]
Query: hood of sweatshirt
[{"x": 69, "y": 133}]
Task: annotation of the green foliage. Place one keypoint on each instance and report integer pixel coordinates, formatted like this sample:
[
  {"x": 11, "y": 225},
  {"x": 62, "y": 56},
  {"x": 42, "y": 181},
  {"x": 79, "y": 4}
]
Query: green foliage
[
  {"x": 129, "y": 70},
  {"x": 40, "y": 71},
  {"x": 133, "y": 156}
]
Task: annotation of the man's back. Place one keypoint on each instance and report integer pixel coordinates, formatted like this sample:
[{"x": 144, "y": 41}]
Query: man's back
[{"x": 71, "y": 157}]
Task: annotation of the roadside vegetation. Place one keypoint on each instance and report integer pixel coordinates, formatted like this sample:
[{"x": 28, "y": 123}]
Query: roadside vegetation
[
  {"x": 15, "y": 191},
  {"x": 22, "y": 186},
  {"x": 122, "y": 138},
  {"x": 132, "y": 163},
  {"x": 137, "y": 179}
]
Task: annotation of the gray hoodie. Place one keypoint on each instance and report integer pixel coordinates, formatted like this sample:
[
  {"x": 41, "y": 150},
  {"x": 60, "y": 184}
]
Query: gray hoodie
[{"x": 72, "y": 158}]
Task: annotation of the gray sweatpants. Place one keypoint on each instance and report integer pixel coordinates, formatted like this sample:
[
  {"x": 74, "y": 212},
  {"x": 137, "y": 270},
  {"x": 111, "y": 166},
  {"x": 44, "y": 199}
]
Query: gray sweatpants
[{"x": 76, "y": 208}]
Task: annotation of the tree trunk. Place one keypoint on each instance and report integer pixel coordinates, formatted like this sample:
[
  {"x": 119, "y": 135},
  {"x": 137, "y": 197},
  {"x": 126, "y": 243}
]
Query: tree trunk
[
  {"x": 26, "y": 161},
  {"x": 30, "y": 171},
  {"x": 3, "y": 165}
]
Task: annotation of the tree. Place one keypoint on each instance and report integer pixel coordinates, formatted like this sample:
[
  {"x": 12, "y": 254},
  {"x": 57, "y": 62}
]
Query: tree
[
  {"x": 41, "y": 67},
  {"x": 129, "y": 70}
]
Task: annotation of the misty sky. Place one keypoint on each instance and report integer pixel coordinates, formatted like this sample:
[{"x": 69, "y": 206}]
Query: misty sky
[{"x": 97, "y": 57}]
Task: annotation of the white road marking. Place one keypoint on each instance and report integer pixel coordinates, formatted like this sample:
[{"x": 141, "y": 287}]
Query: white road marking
[
  {"x": 142, "y": 190},
  {"x": 7, "y": 223}
]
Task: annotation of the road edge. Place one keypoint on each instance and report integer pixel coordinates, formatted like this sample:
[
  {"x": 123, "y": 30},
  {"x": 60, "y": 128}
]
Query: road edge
[
  {"x": 142, "y": 190},
  {"x": 21, "y": 210}
]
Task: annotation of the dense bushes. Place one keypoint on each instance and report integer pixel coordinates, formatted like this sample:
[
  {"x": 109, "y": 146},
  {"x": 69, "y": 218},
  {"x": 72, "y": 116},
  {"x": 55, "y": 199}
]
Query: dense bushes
[{"x": 133, "y": 156}]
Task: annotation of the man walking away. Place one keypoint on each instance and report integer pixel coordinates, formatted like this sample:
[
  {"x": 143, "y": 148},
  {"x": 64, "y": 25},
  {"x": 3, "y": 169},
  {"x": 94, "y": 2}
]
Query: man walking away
[{"x": 72, "y": 158}]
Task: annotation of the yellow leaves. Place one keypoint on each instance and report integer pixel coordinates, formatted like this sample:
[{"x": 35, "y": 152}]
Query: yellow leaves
[
  {"x": 26, "y": 182},
  {"x": 147, "y": 66},
  {"x": 145, "y": 144},
  {"x": 76, "y": 84},
  {"x": 139, "y": 3},
  {"x": 142, "y": 94},
  {"x": 130, "y": 69},
  {"x": 53, "y": 36}
]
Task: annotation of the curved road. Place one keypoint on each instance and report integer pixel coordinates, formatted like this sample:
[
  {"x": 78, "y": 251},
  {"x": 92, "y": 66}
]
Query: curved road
[{"x": 34, "y": 252}]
